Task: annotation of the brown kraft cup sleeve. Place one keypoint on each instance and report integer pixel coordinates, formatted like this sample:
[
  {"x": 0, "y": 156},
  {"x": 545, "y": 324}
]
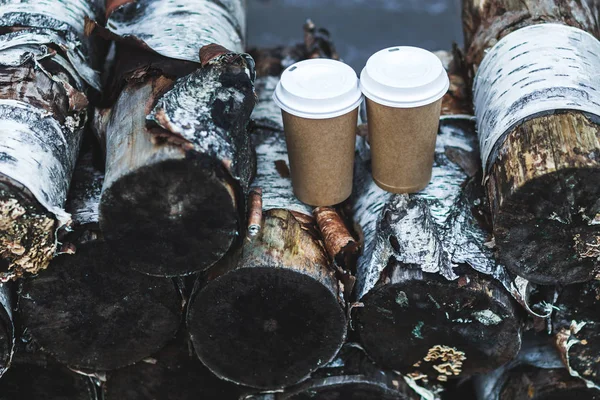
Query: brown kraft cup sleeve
[
  {"x": 402, "y": 145},
  {"x": 321, "y": 153}
]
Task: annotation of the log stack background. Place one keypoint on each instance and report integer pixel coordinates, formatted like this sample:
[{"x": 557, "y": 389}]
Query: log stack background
[{"x": 158, "y": 252}]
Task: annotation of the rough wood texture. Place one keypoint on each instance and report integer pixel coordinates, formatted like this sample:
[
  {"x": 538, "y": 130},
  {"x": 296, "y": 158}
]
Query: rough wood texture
[
  {"x": 576, "y": 326},
  {"x": 89, "y": 310},
  {"x": 531, "y": 383},
  {"x": 34, "y": 376},
  {"x": 179, "y": 163},
  {"x": 174, "y": 373},
  {"x": 537, "y": 373},
  {"x": 352, "y": 376},
  {"x": 431, "y": 297},
  {"x": 7, "y": 328},
  {"x": 45, "y": 67},
  {"x": 543, "y": 175},
  {"x": 271, "y": 313}
]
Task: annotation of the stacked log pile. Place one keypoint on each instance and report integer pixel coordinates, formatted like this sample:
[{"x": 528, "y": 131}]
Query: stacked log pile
[
  {"x": 542, "y": 171},
  {"x": 178, "y": 155},
  {"x": 271, "y": 312},
  {"x": 46, "y": 69},
  {"x": 89, "y": 310},
  {"x": 431, "y": 297},
  {"x": 187, "y": 267},
  {"x": 540, "y": 139}
]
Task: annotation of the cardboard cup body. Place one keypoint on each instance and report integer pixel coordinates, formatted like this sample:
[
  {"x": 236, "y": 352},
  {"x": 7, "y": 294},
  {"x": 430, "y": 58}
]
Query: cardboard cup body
[
  {"x": 402, "y": 145},
  {"x": 321, "y": 154}
]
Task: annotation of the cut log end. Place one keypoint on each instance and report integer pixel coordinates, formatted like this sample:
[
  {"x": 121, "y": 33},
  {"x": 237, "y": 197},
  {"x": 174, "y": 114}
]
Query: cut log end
[
  {"x": 27, "y": 234},
  {"x": 544, "y": 200},
  {"x": 173, "y": 373},
  {"x": 89, "y": 314},
  {"x": 451, "y": 328},
  {"x": 39, "y": 382},
  {"x": 290, "y": 324},
  {"x": 172, "y": 218}
]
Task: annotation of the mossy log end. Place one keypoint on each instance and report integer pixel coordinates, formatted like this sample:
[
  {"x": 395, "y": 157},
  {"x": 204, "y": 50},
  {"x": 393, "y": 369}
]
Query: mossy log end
[{"x": 543, "y": 179}]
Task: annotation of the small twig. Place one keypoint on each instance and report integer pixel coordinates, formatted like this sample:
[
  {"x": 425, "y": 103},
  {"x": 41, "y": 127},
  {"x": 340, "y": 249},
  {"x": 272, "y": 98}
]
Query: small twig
[{"x": 254, "y": 211}]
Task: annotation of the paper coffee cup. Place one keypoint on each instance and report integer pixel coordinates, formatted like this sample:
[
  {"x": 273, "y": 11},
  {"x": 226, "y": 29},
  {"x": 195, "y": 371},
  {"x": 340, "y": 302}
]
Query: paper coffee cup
[
  {"x": 319, "y": 100},
  {"x": 404, "y": 87}
]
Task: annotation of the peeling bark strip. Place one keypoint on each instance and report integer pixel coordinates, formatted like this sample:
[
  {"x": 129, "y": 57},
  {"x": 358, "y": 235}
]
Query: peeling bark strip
[
  {"x": 131, "y": 317},
  {"x": 536, "y": 69},
  {"x": 544, "y": 172},
  {"x": 353, "y": 376},
  {"x": 178, "y": 167},
  {"x": 172, "y": 373},
  {"x": 178, "y": 28},
  {"x": 433, "y": 302},
  {"x": 7, "y": 329},
  {"x": 576, "y": 326},
  {"x": 279, "y": 289},
  {"x": 338, "y": 240},
  {"x": 44, "y": 67}
]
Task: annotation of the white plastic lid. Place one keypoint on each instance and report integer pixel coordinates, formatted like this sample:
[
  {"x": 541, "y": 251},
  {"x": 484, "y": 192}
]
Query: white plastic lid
[
  {"x": 404, "y": 77},
  {"x": 318, "y": 89}
]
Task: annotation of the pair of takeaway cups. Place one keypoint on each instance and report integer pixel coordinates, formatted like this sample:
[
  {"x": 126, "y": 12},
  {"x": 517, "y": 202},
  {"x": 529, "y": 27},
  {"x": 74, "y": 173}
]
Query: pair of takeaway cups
[{"x": 319, "y": 100}]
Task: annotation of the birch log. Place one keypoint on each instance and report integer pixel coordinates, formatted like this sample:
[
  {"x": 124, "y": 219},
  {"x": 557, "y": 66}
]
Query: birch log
[
  {"x": 576, "y": 326},
  {"x": 7, "y": 328},
  {"x": 431, "y": 301},
  {"x": 352, "y": 376},
  {"x": 178, "y": 155},
  {"x": 89, "y": 311},
  {"x": 537, "y": 98},
  {"x": 173, "y": 373},
  {"x": 37, "y": 377},
  {"x": 45, "y": 70},
  {"x": 273, "y": 312}
]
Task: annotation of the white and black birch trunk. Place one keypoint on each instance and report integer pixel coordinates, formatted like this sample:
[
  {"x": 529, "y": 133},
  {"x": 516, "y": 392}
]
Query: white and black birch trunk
[
  {"x": 432, "y": 300},
  {"x": 537, "y": 100},
  {"x": 272, "y": 312},
  {"x": 7, "y": 327},
  {"x": 46, "y": 66},
  {"x": 178, "y": 155},
  {"x": 89, "y": 310}
]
